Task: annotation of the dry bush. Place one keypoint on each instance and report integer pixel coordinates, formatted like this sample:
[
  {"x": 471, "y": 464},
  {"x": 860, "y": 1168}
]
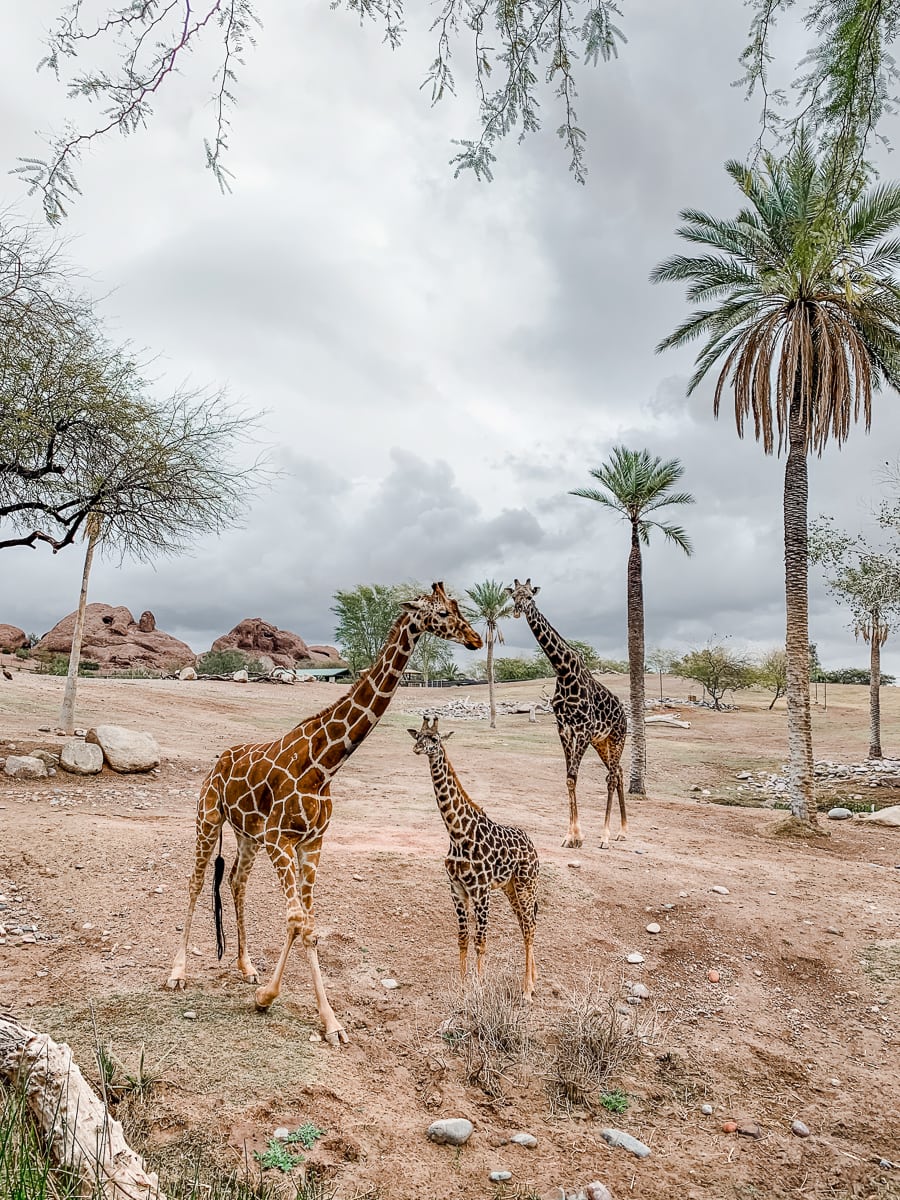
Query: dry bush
[
  {"x": 490, "y": 1029},
  {"x": 592, "y": 1045}
]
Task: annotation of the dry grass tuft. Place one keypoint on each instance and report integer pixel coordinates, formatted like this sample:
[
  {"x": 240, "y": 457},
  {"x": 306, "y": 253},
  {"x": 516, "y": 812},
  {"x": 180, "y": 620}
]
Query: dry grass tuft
[
  {"x": 593, "y": 1044},
  {"x": 490, "y": 1030},
  {"x": 795, "y": 828}
]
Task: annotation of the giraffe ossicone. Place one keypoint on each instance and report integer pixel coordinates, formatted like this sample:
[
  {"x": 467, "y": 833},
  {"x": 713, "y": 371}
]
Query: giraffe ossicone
[
  {"x": 276, "y": 794},
  {"x": 483, "y": 855},
  {"x": 587, "y": 714}
]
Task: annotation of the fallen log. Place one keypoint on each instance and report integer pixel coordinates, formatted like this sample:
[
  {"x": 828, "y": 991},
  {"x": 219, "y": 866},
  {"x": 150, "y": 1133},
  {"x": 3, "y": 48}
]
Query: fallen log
[
  {"x": 79, "y": 1133},
  {"x": 667, "y": 721}
]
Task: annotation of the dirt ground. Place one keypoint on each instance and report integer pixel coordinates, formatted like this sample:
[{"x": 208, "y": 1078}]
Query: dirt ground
[{"x": 802, "y": 1023}]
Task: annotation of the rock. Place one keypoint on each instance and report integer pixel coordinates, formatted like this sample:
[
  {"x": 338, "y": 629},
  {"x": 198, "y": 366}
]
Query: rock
[
  {"x": 634, "y": 958},
  {"x": 124, "y": 749},
  {"x": 25, "y": 766},
  {"x": 833, "y": 930},
  {"x": 524, "y": 1139},
  {"x": 282, "y": 1133},
  {"x": 840, "y": 814},
  {"x": 597, "y": 1191},
  {"x": 81, "y": 758},
  {"x": 241, "y": 676},
  {"x": 885, "y": 816},
  {"x": 147, "y": 622},
  {"x": 749, "y": 1129},
  {"x": 799, "y": 1129},
  {"x": 642, "y": 993},
  {"x": 116, "y": 641},
  {"x": 713, "y": 976},
  {"x": 187, "y": 674},
  {"x": 12, "y": 638},
  {"x": 575, "y": 864},
  {"x": 453, "y": 1131},
  {"x": 189, "y": 1015},
  {"x": 707, "y": 1110},
  {"x": 729, "y": 1127},
  {"x": 47, "y": 757},
  {"x": 390, "y": 984},
  {"x": 499, "y": 1176},
  {"x": 653, "y": 928},
  {"x": 617, "y": 1137},
  {"x": 719, "y": 890}
]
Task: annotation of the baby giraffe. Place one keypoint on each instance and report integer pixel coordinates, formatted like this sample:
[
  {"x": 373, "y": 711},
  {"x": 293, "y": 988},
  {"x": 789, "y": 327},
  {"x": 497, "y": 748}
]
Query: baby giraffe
[{"x": 483, "y": 855}]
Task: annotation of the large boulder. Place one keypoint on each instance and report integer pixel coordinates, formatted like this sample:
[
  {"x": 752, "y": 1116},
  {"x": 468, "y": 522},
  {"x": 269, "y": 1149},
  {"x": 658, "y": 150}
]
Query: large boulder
[
  {"x": 125, "y": 749},
  {"x": 257, "y": 637},
  {"x": 81, "y": 758},
  {"x": 25, "y": 766},
  {"x": 328, "y": 656},
  {"x": 116, "y": 641},
  {"x": 12, "y": 638}
]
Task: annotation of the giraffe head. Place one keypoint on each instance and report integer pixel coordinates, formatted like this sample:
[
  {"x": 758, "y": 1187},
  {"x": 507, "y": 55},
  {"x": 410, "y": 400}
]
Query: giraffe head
[
  {"x": 436, "y": 612},
  {"x": 428, "y": 739},
  {"x": 522, "y": 594}
]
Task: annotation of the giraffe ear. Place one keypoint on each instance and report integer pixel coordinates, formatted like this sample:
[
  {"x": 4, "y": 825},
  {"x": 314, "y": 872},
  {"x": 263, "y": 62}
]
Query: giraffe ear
[
  {"x": 534, "y": 591},
  {"x": 516, "y": 583},
  {"x": 413, "y": 733},
  {"x": 446, "y": 736}
]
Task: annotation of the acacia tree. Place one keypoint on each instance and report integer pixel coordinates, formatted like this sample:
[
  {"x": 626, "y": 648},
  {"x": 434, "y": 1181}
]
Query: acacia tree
[
  {"x": 771, "y": 672},
  {"x": 800, "y": 313},
  {"x": 660, "y": 660},
  {"x": 868, "y": 583},
  {"x": 634, "y": 485},
  {"x": 489, "y": 605},
  {"x": 365, "y": 615},
  {"x": 717, "y": 669}
]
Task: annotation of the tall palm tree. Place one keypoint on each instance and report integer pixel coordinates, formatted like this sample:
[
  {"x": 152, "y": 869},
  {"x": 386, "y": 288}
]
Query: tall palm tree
[
  {"x": 800, "y": 313},
  {"x": 634, "y": 485},
  {"x": 490, "y": 605}
]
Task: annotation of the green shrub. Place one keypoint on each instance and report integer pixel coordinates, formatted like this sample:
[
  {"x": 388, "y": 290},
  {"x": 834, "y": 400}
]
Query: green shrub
[
  {"x": 854, "y": 675},
  {"x": 226, "y": 662}
]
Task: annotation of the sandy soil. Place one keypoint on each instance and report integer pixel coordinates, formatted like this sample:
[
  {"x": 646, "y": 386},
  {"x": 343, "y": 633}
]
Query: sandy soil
[{"x": 803, "y": 1022}]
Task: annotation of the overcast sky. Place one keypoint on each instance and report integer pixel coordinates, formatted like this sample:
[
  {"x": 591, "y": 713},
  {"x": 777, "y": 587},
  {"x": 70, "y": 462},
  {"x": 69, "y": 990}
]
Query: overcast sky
[{"x": 439, "y": 361}]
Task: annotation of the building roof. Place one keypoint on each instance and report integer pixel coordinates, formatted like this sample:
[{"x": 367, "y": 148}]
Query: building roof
[{"x": 323, "y": 672}]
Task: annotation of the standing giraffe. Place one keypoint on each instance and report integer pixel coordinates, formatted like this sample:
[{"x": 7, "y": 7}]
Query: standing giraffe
[
  {"x": 587, "y": 713},
  {"x": 277, "y": 794},
  {"x": 483, "y": 855}
]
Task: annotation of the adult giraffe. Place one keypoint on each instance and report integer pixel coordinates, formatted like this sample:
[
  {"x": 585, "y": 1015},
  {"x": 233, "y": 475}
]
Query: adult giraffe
[
  {"x": 587, "y": 713},
  {"x": 277, "y": 794}
]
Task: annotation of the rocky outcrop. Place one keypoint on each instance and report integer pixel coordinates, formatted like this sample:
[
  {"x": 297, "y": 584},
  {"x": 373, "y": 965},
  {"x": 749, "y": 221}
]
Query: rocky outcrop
[
  {"x": 12, "y": 638},
  {"x": 116, "y": 641},
  {"x": 283, "y": 648}
]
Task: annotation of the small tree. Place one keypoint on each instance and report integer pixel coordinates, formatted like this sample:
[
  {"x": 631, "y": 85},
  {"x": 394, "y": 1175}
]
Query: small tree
[
  {"x": 489, "y": 605},
  {"x": 365, "y": 615},
  {"x": 660, "y": 661},
  {"x": 717, "y": 669},
  {"x": 771, "y": 672},
  {"x": 432, "y": 656},
  {"x": 868, "y": 583}
]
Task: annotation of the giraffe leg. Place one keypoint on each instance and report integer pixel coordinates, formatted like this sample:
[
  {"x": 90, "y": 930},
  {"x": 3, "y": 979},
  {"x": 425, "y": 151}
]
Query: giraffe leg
[
  {"x": 461, "y": 904},
  {"x": 209, "y": 823},
  {"x": 522, "y": 901},
  {"x": 573, "y": 748},
  {"x": 610, "y": 756},
  {"x": 481, "y": 905},
  {"x": 620, "y": 788},
  {"x": 298, "y": 900},
  {"x": 243, "y": 864}
]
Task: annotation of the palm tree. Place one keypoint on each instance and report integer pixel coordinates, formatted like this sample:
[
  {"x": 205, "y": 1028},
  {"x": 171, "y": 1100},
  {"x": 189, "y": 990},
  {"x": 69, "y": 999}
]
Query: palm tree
[
  {"x": 633, "y": 485},
  {"x": 490, "y": 605},
  {"x": 798, "y": 305}
]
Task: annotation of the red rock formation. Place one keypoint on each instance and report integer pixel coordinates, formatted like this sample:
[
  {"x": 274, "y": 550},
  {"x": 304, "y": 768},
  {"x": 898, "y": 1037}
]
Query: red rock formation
[
  {"x": 328, "y": 656},
  {"x": 116, "y": 641},
  {"x": 12, "y": 638},
  {"x": 256, "y": 636}
]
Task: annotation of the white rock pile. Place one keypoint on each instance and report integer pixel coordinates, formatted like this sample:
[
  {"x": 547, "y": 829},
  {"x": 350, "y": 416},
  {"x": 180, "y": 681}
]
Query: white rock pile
[
  {"x": 480, "y": 710},
  {"x": 873, "y": 773}
]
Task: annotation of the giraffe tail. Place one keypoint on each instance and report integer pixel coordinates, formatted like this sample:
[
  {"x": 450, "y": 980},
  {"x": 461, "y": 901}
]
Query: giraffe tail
[{"x": 218, "y": 874}]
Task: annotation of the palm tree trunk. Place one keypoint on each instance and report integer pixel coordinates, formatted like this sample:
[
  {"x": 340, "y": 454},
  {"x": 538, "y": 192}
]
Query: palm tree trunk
[
  {"x": 67, "y": 712},
  {"x": 636, "y": 664},
  {"x": 490, "y": 675},
  {"x": 801, "y": 775},
  {"x": 875, "y": 690}
]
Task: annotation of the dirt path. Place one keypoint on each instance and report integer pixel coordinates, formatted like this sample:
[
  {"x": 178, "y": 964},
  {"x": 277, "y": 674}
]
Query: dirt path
[{"x": 801, "y": 1024}]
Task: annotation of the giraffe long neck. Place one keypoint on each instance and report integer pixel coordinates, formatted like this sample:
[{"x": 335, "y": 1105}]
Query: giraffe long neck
[
  {"x": 348, "y": 722},
  {"x": 562, "y": 658},
  {"x": 453, "y": 803}
]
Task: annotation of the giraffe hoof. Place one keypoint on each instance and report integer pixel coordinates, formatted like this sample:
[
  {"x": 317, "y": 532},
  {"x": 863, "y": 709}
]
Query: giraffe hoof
[
  {"x": 175, "y": 984},
  {"x": 337, "y": 1037},
  {"x": 262, "y": 1001},
  {"x": 251, "y": 977},
  {"x": 572, "y": 843},
  {"x": 604, "y": 845}
]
